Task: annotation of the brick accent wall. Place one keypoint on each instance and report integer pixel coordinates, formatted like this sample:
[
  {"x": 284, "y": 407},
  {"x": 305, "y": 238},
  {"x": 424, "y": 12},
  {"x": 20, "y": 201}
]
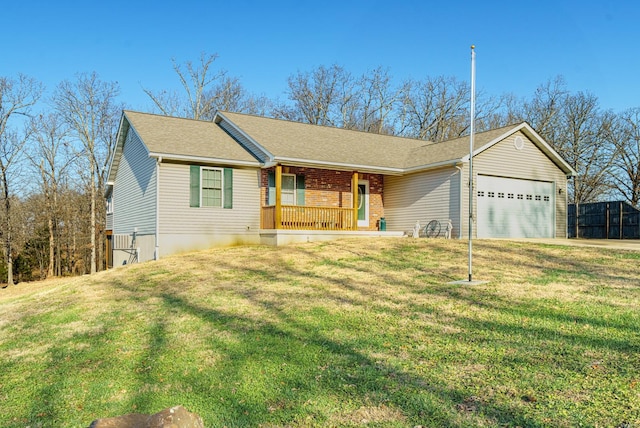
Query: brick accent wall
[
  {"x": 330, "y": 188},
  {"x": 376, "y": 199}
]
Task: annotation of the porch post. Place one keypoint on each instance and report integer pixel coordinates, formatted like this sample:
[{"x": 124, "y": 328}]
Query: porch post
[
  {"x": 354, "y": 191},
  {"x": 278, "y": 216}
]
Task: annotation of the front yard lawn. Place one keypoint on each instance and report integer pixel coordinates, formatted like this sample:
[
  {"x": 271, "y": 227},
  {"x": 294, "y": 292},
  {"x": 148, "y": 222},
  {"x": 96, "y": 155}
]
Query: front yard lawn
[{"x": 350, "y": 333}]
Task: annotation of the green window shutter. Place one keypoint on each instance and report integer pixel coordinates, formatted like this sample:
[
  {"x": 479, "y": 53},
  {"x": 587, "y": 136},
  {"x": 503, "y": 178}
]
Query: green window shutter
[
  {"x": 271, "y": 179},
  {"x": 299, "y": 189},
  {"x": 228, "y": 188},
  {"x": 194, "y": 199}
]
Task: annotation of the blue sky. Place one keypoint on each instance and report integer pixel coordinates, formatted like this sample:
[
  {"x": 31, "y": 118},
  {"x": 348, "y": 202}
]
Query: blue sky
[{"x": 519, "y": 45}]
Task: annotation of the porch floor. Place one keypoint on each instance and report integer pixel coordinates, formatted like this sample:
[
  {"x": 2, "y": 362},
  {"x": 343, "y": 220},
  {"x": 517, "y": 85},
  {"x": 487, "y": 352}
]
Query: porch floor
[{"x": 277, "y": 237}]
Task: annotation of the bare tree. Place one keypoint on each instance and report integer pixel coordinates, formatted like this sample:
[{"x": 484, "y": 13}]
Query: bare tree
[
  {"x": 507, "y": 109},
  {"x": 546, "y": 111},
  {"x": 206, "y": 90},
  {"x": 52, "y": 157},
  {"x": 577, "y": 129},
  {"x": 29, "y": 237},
  {"x": 319, "y": 96},
  {"x": 196, "y": 81},
  {"x": 89, "y": 107},
  {"x": 583, "y": 139},
  {"x": 346, "y": 108},
  {"x": 377, "y": 100},
  {"x": 257, "y": 105},
  {"x": 11, "y": 145},
  {"x": 625, "y": 174},
  {"x": 332, "y": 96},
  {"x": 17, "y": 96},
  {"x": 435, "y": 109}
]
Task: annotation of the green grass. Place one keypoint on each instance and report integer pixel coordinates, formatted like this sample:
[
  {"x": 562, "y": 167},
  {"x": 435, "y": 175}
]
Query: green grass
[{"x": 348, "y": 333}]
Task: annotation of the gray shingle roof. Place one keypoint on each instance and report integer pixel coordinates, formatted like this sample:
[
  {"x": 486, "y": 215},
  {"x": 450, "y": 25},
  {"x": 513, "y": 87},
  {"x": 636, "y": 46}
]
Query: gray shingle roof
[
  {"x": 453, "y": 150},
  {"x": 294, "y": 140},
  {"x": 324, "y": 144},
  {"x": 168, "y": 136},
  {"x": 300, "y": 143}
]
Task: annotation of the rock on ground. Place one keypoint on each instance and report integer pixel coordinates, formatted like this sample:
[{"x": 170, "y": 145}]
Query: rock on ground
[{"x": 173, "y": 417}]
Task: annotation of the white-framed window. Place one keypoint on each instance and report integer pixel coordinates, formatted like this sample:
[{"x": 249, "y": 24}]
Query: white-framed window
[
  {"x": 211, "y": 194},
  {"x": 288, "y": 189},
  {"x": 110, "y": 205},
  {"x": 292, "y": 189},
  {"x": 210, "y": 187}
]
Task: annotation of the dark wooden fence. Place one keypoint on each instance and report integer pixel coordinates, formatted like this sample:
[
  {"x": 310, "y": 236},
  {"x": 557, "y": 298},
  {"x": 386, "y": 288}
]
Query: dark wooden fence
[{"x": 603, "y": 220}]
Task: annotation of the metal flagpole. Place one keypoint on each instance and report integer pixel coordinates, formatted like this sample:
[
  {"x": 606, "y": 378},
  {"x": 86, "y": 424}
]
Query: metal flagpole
[
  {"x": 470, "y": 281},
  {"x": 473, "y": 120}
]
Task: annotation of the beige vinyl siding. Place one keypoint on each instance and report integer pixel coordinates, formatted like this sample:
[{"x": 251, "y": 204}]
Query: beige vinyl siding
[
  {"x": 423, "y": 196},
  {"x": 183, "y": 228},
  {"x": 134, "y": 192},
  {"x": 464, "y": 200},
  {"x": 504, "y": 160}
]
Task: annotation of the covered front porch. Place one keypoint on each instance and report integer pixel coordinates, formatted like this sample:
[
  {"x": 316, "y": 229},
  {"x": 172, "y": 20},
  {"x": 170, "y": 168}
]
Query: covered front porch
[{"x": 312, "y": 199}]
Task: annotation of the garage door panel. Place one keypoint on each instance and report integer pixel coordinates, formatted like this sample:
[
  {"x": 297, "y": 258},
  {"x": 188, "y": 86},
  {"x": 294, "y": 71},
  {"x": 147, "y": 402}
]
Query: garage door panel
[{"x": 514, "y": 208}]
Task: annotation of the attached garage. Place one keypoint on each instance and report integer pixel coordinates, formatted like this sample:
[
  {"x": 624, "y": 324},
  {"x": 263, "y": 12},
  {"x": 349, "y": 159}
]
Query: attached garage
[
  {"x": 515, "y": 208},
  {"x": 519, "y": 186}
]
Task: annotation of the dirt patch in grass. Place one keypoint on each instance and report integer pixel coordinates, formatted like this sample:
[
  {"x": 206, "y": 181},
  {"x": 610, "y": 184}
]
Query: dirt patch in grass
[{"x": 369, "y": 415}]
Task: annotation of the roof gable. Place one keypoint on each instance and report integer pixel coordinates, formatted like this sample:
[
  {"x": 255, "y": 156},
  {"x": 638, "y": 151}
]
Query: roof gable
[
  {"x": 539, "y": 142},
  {"x": 452, "y": 151},
  {"x": 184, "y": 139}
]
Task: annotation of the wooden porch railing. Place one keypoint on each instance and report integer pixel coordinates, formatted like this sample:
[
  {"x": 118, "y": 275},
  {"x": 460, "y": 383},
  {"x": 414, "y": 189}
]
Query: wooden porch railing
[{"x": 295, "y": 217}]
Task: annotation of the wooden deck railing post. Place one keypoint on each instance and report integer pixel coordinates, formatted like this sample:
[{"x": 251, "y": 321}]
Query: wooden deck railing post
[
  {"x": 354, "y": 191},
  {"x": 278, "y": 216}
]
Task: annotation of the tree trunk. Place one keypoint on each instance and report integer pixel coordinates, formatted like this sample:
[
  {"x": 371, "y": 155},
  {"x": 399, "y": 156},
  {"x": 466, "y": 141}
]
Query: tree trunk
[
  {"x": 9, "y": 260},
  {"x": 73, "y": 255},
  {"x": 54, "y": 236},
  {"x": 7, "y": 242},
  {"x": 93, "y": 219},
  {"x": 100, "y": 249},
  {"x": 58, "y": 250},
  {"x": 51, "y": 248}
]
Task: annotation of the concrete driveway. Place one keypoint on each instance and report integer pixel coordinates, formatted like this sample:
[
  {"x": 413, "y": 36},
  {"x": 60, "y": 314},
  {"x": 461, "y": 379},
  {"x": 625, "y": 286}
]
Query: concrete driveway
[{"x": 619, "y": 244}]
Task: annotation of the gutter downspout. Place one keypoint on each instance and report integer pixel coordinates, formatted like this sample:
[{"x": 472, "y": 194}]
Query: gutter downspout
[
  {"x": 157, "y": 249},
  {"x": 459, "y": 168}
]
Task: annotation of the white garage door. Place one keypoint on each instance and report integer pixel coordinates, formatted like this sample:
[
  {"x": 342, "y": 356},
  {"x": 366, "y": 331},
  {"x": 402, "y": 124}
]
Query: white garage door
[{"x": 514, "y": 208}]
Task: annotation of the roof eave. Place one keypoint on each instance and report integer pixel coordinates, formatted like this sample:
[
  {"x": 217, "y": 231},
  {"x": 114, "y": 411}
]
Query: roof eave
[
  {"x": 311, "y": 163},
  {"x": 204, "y": 159},
  {"x": 436, "y": 165},
  {"x": 117, "y": 151}
]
